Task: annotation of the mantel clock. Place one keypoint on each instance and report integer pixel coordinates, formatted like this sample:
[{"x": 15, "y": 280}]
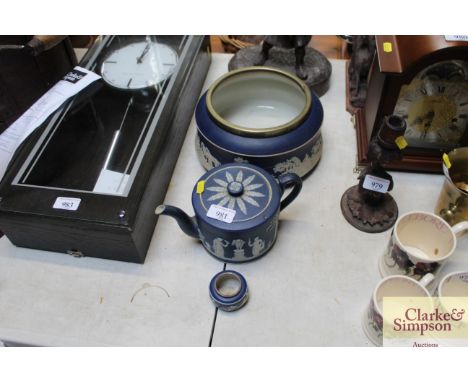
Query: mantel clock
[{"x": 423, "y": 79}]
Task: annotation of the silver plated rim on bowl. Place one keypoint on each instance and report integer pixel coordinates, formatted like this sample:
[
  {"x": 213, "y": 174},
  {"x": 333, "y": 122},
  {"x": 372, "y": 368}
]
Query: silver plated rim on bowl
[{"x": 253, "y": 132}]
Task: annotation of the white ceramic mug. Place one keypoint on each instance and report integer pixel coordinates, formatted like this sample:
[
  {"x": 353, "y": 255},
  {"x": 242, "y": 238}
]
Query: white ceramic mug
[
  {"x": 421, "y": 243},
  {"x": 391, "y": 286},
  {"x": 454, "y": 284}
]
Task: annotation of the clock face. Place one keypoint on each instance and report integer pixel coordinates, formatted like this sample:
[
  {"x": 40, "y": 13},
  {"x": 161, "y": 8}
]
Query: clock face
[
  {"x": 139, "y": 65},
  {"x": 435, "y": 106}
]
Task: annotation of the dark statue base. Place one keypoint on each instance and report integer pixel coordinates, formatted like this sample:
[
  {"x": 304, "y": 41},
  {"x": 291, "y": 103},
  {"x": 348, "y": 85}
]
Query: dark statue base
[
  {"x": 366, "y": 217},
  {"x": 317, "y": 67}
]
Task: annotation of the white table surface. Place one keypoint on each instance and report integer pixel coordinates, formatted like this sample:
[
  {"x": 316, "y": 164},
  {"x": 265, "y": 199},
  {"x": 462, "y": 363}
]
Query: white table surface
[{"x": 309, "y": 290}]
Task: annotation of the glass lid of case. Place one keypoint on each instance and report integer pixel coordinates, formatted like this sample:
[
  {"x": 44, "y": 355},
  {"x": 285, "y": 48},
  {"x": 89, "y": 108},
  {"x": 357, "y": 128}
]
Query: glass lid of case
[{"x": 96, "y": 144}]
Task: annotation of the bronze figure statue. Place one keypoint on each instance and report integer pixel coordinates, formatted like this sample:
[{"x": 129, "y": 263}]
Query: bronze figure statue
[
  {"x": 299, "y": 44},
  {"x": 358, "y": 70},
  {"x": 289, "y": 53}
]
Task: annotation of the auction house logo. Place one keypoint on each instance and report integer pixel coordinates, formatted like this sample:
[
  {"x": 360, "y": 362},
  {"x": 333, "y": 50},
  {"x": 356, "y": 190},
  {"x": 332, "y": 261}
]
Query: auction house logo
[
  {"x": 74, "y": 76},
  {"x": 417, "y": 321},
  {"x": 425, "y": 321}
]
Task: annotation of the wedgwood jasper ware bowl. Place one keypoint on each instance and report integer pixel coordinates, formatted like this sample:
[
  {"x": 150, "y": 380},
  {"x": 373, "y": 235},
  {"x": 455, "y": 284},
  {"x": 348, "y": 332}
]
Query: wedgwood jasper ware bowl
[{"x": 263, "y": 116}]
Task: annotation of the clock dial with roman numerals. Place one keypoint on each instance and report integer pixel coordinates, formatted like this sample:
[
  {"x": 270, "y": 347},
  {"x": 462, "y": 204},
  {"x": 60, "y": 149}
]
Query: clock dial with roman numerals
[{"x": 435, "y": 106}]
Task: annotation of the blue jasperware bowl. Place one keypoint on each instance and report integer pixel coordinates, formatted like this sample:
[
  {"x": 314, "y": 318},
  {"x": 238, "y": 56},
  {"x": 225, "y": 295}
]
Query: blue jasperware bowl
[{"x": 263, "y": 116}]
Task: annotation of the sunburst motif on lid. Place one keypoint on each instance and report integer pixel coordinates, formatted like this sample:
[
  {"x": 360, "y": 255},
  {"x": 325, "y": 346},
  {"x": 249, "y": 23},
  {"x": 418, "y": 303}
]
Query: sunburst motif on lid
[{"x": 247, "y": 194}]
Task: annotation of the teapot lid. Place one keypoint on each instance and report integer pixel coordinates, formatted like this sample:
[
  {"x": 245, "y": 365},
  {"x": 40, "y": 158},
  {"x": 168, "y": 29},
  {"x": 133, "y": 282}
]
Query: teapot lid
[{"x": 236, "y": 196}]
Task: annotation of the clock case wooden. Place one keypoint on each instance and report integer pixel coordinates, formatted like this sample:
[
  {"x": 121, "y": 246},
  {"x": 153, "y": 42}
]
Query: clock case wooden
[
  {"x": 388, "y": 73},
  {"x": 97, "y": 228}
]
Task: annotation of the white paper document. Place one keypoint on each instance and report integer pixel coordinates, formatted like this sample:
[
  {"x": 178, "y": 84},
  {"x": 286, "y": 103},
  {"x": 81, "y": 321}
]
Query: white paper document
[{"x": 73, "y": 82}]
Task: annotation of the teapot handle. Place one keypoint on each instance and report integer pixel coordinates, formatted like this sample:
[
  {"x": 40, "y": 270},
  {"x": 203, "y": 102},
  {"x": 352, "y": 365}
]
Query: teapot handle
[{"x": 286, "y": 181}]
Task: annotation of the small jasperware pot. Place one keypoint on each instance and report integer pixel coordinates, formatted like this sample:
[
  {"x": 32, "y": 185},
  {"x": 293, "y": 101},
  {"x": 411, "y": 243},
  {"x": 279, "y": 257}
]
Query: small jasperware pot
[{"x": 237, "y": 209}]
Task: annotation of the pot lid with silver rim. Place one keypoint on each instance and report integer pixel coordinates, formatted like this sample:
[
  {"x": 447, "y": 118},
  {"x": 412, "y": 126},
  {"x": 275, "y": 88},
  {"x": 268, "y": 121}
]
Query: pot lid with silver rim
[{"x": 245, "y": 192}]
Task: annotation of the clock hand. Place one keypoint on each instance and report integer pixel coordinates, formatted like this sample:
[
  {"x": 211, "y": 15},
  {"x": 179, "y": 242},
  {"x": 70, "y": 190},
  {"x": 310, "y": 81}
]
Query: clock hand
[
  {"x": 427, "y": 126},
  {"x": 429, "y": 117},
  {"x": 140, "y": 59}
]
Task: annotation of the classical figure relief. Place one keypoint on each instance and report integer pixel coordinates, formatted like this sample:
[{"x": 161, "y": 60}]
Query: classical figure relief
[
  {"x": 205, "y": 156},
  {"x": 300, "y": 167},
  {"x": 257, "y": 246},
  {"x": 218, "y": 247}
]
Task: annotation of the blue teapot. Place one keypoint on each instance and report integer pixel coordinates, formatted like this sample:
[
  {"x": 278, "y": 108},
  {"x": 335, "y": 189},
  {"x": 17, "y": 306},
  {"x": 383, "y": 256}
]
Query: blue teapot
[{"x": 237, "y": 209}]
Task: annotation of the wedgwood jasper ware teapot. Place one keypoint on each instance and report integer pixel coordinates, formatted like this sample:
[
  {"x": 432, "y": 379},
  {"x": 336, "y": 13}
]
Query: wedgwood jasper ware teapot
[{"x": 236, "y": 211}]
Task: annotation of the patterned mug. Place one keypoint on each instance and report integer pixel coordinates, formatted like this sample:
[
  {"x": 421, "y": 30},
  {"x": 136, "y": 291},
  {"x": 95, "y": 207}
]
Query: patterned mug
[
  {"x": 421, "y": 243},
  {"x": 391, "y": 286}
]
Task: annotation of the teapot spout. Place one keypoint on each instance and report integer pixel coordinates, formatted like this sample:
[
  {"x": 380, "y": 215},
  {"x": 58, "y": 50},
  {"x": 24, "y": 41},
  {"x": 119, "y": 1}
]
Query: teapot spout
[{"x": 185, "y": 222}]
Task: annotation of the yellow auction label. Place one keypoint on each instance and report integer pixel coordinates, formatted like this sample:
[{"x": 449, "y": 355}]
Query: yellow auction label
[
  {"x": 387, "y": 47},
  {"x": 200, "y": 186},
  {"x": 446, "y": 160},
  {"x": 401, "y": 142}
]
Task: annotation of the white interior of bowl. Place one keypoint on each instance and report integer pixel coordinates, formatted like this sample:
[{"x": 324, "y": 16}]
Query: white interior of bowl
[
  {"x": 398, "y": 286},
  {"x": 258, "y": 100},
  {"x": 425, "y": 236},
  {"x": 455, "y": 285},
  {"x": 228, "y": 285}
]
